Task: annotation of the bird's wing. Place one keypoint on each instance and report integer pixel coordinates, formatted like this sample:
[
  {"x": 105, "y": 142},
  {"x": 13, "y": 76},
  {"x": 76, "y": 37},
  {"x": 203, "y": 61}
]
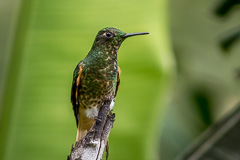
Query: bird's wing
[
  {"x": 118, "y": 80},
  {"x": 76, "y": 86}
]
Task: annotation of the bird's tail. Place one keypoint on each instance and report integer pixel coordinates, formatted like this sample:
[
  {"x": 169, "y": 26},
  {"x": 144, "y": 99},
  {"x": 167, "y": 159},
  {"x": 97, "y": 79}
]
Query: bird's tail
[{"x": 84, "y": 125}]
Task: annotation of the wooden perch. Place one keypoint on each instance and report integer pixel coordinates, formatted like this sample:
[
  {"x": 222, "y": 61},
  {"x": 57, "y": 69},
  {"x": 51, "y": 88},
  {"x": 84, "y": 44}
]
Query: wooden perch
[{"x": 94, "y": 143}]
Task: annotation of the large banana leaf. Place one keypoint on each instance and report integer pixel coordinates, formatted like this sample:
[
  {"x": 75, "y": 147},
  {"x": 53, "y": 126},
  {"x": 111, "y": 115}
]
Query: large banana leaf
[{"x": 37, "y": 121}]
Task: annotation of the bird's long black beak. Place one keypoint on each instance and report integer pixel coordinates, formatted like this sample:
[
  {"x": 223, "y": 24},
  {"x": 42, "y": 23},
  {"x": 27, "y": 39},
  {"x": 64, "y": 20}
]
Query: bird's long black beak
[{"x": 134, "y": 34}]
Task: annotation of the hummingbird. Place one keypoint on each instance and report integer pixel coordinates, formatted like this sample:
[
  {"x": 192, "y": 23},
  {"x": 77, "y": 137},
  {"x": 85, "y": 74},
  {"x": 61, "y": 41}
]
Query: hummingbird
[{"x": 96, "y": 78}]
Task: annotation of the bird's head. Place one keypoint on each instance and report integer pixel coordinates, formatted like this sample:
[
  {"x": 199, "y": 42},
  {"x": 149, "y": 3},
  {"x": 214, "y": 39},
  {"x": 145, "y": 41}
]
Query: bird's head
[{"x": 112, "y": 38}]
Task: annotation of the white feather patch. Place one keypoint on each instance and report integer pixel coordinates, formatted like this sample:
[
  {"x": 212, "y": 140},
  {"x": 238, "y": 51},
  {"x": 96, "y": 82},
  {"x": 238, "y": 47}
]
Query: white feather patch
[
  {"x": 112, "y": 104},
  {"x": 91, "y": 113}
]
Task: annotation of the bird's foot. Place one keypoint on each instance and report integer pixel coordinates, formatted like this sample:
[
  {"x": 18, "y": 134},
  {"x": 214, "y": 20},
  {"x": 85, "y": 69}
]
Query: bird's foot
[
  {"x": 98, "y": 119},
  {"x": 91, "y": 129}
]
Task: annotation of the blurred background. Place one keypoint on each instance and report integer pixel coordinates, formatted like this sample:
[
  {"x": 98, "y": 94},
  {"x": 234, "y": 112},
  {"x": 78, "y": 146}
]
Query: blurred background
[{"x": 175, "y": 83}]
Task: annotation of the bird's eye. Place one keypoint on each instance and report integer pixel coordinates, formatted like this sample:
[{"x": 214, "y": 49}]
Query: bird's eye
[{"x": 109, "y": 35}]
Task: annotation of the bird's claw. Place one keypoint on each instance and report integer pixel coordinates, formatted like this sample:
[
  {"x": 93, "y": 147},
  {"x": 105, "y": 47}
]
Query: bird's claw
[
  {"x": 98, "y": 119},
  {"x": 91, "y": 129}
]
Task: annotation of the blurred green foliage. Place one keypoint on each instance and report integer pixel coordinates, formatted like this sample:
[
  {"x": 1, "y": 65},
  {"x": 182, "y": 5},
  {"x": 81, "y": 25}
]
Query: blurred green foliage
[
  {"x": 45, "y": 41},
  {"x": 206, "y": 87}
]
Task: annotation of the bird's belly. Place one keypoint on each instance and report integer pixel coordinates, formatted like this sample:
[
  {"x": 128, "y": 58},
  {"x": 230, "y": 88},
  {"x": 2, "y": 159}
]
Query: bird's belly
[
  {"x": 93, "y": 99},
  {"x": 93, "y": 112},
  {"x": 92, "y": 95}
]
